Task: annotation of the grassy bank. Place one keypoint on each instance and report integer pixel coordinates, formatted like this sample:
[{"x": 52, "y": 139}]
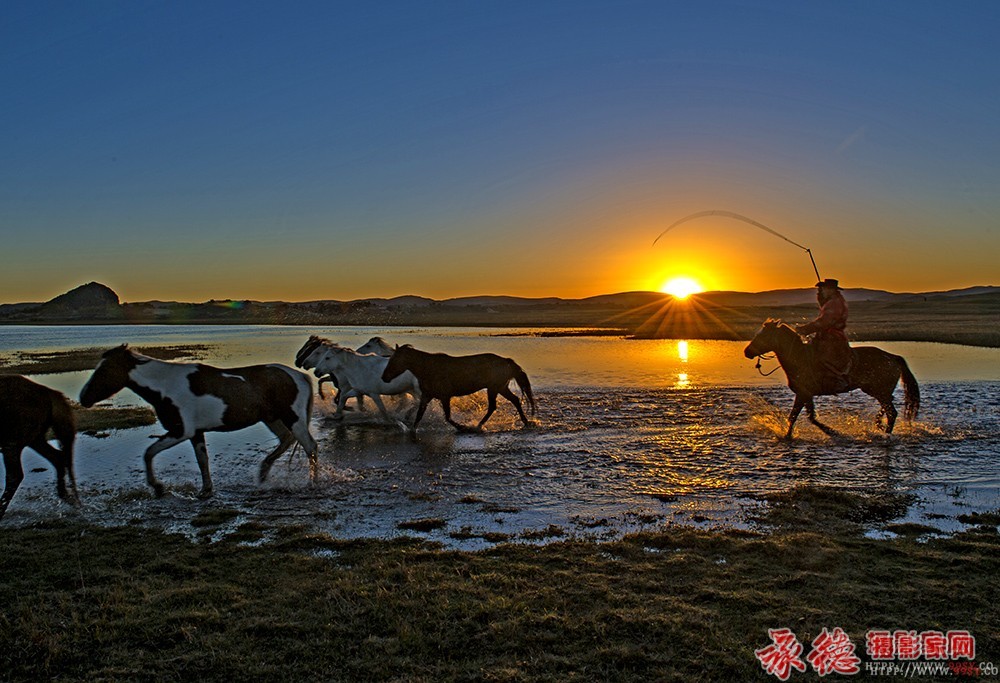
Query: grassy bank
[
  {"x": 75, "y": 360},
  {"x": 683, "y": 604}
]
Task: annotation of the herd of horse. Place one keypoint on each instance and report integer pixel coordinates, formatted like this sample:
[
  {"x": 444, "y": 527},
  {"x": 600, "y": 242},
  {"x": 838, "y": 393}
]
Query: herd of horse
[{"x": 191, "y": 399}]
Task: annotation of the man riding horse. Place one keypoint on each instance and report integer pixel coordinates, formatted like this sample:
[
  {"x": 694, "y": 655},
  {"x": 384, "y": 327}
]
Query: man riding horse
[{"x": 832, "y": 353}]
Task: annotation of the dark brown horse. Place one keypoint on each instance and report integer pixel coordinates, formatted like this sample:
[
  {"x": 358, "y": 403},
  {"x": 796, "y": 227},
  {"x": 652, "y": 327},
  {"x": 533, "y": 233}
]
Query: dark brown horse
[
  {"x": 873, "y": 371},
  {"x": 27, "y": 412},
  {"x": 442, "y": 377}
]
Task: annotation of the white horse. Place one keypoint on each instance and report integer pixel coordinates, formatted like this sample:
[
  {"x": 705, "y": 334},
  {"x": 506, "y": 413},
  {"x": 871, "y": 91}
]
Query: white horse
[
  {"x": 363, "y": 372},
  {"x": 376, "y": 345}
]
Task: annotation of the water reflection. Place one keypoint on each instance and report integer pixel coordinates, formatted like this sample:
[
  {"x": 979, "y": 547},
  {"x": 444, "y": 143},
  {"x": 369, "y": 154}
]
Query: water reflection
[
  {"x": 682, "y": 354},
  {"x": 549, "y": 361}
]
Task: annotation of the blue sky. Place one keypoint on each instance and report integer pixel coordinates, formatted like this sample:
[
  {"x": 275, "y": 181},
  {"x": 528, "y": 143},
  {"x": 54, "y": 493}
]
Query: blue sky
[{"x": 339, "y": 150}]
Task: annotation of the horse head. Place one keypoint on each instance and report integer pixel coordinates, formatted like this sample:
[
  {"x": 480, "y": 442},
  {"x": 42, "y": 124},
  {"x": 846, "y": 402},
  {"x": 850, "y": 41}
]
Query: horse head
[
  {"x": 110, "y": 376},
  {"x": 399, "y": 362},
  {"x": 314, "y": 356},
  {"x": 767, "y": 339},
  {"x": 378, "y": 346},
  {"x": 311, "y": 345}
]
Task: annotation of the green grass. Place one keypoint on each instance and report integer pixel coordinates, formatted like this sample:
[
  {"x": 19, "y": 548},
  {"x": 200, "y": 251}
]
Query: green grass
[{"x": 85, "y": 603}]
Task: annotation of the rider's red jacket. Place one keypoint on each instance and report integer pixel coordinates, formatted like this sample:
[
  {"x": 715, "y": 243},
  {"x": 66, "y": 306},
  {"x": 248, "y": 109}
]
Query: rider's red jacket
[{"x": 832, "y": 317}]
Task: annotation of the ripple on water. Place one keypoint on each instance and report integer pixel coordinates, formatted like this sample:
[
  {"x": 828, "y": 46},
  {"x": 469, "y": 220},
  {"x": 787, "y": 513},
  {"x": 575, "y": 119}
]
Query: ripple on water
[{"x": 599, "y": 462}]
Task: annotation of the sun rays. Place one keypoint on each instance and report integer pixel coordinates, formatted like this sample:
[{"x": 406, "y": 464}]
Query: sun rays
[{"x": 681, "y": 287}]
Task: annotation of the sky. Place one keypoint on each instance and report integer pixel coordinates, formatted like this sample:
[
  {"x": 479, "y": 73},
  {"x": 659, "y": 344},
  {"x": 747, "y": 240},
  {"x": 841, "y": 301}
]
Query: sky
[{"x": 332, "y": 150}]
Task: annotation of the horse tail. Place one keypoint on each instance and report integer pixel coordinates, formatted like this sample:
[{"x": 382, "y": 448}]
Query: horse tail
[
  {"x": 521, "y": 377},
  {"x": 911, "y": 391}
]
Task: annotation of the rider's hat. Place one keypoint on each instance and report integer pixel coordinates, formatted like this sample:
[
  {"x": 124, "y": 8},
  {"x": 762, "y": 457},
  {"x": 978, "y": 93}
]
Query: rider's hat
[{"x": 829, "y": 282}]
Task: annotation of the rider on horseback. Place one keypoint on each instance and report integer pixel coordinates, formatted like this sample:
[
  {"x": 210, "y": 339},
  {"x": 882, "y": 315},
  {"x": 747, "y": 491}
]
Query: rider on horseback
[{"x": 832, "y": 352}]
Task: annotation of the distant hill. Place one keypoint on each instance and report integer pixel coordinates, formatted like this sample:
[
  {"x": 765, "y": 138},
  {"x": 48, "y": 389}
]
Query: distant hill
[
  {"x": 86, "y": 302},
  {"x": 969, "y": 316}
]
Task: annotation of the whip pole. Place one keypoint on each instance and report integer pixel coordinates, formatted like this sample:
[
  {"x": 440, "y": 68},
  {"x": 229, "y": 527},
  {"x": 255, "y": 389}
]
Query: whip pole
[{"x": 740, "y": 217}]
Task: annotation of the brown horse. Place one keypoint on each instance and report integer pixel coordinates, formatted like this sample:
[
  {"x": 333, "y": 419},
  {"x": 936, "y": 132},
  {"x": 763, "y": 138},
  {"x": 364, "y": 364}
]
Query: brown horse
[
  {"x": 27, "y": 412},
  {"x": 442, "y": 377},
  {"x": 873, "y": 371}
]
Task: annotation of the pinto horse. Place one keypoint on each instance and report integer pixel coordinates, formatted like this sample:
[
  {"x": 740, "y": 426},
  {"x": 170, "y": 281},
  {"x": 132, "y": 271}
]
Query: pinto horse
[
  {"x": 442, "y": 377},
  {"x": 873, "y": 371},
  {"x": 27, "y": 412},
  {"x": 191, "y": 399}
]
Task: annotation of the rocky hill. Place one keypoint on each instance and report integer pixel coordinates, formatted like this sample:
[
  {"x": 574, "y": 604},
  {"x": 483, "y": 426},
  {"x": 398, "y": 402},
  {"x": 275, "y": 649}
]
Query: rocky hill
[{"x": 92, "y": 300}]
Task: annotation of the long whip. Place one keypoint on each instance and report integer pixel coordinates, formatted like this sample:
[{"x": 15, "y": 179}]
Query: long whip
[{"x": 740, "y": 217}]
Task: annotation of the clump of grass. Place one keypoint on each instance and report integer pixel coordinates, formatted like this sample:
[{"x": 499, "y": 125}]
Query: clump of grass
[
  {"x": 551, "y": 531},
  {"x": 496, "y": 508},
  {"x": 98, "y": 420},
  {"x": 214, "y": 517},
  {"x": 466, "y": 533},
  {"x": 426, "y": 524},
  {"x": 75, "y": 360},
  {"x": 980, "y": 518},
  {"x": 834, "y": 508},
  {"x": 911, "y": 529}
]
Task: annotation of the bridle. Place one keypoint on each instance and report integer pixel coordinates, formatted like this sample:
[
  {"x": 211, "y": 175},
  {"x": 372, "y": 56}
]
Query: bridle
[{"x": 764, "y": 356}]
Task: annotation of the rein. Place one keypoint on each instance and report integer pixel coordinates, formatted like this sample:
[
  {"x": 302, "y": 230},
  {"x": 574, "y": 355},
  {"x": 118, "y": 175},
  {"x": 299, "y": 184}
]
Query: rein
[{"x": 765, "y": 357}]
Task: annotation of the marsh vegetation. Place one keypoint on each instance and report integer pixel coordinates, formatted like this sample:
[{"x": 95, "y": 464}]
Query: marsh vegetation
[{"x": 87, "y": 603}]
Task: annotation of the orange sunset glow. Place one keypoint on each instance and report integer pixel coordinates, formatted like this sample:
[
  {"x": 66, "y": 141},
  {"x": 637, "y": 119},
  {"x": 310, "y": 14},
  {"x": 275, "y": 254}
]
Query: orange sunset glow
[{"x": 681, "y": 287}]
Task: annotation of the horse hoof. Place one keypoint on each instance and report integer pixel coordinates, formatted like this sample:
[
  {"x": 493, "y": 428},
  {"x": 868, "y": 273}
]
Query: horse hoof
[
  {"x": 204, "y": 494},
  {"x": 158, "y": 490}
]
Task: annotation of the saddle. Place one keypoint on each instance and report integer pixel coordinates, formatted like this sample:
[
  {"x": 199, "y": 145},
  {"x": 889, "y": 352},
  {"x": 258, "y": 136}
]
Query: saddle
[{"x": 832, "y": 367}]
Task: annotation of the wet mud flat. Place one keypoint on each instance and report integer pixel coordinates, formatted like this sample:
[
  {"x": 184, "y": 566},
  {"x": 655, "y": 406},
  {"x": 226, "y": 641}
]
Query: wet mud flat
[{"x": 599, "y": 464}]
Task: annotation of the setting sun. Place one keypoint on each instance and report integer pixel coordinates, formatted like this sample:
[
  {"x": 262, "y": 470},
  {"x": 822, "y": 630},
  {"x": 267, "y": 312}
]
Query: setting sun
[{"x": 681, "y": 287}]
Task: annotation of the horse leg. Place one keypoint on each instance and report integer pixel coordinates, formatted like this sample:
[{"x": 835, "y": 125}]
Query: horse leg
[
  {"x": 512, "y": 397},
  {"x": 811, "y": 411},
  {"x": 794, "y": 415},
  {"x": 446, "y": 407},
  {"x": 58, "y": 460},
  {"x": 377, "y": 400},
  {"x": 14, "y": 476},
  {"x": 201, "y": 455},
  {"x": 285, "y": 440},
  {"x": 300, "y": 432},
  {"x": 161, "y": 444},
  {"x": 342, "y": 397},
  {"x": 890, "y": 415},
  {"x": 424, "y": 401},
  {"x": 491, "y": 400}
]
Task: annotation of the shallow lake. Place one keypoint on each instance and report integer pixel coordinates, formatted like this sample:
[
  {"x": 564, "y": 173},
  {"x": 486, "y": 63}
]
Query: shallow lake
[{"x": 631, "y": 434}]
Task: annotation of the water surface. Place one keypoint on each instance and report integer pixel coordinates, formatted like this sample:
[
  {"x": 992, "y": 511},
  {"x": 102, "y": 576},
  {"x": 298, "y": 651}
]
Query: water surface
[{"x": 631, "y": 434}]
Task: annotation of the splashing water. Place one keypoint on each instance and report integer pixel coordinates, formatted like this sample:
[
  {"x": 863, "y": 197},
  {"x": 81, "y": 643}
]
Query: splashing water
[{"x": 613, "y": 451}]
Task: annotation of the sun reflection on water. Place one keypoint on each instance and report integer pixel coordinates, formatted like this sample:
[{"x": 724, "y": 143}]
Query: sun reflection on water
[{"x": 682, "y": 355}]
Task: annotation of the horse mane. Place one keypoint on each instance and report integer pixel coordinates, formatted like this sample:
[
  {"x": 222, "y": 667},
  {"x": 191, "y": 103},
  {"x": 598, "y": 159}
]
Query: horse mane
[{"x": 777, "y": 322}]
